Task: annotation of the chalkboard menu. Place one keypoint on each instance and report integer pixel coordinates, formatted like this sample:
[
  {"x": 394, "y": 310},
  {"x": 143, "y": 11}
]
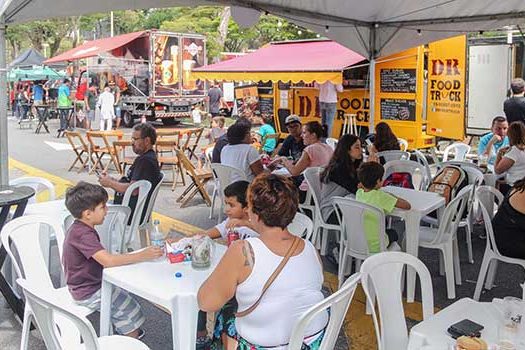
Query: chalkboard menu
[
  {"x": 398, "y": 109},
  {"x": 266, "y": 105},
  {"x": 398, "y": 80}
]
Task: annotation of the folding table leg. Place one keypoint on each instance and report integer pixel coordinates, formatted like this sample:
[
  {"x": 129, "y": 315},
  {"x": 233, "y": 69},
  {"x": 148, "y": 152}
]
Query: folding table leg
[
  {"x": 105, "y": 308},
  {"x": 184, "y": 314}
]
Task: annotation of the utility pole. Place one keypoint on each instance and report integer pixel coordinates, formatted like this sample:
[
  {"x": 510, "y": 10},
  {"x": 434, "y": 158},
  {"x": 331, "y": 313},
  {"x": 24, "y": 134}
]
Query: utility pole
[{"x": 111, "y": 24}]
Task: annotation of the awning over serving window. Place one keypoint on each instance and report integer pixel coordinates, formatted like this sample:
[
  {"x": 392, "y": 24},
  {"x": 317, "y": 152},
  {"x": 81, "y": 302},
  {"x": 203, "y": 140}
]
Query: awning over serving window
[
  {"x": 95, "y": 47},
  {"x": 308, "y": 61}
]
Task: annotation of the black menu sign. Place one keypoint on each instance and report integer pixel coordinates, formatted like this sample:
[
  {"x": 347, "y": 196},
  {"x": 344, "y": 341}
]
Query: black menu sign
[
  {"x": 398, "y": 109},
  {"x": 266, "y": 105},
  {"x": 398, "y": 80}
]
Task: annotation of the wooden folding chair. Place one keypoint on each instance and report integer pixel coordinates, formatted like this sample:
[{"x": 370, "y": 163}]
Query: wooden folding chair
[
  {"x": 80, "y": 147},
  {"x": 166, "y": 155},
  {"x": 191, "y": 144},
  {"x": 199, "y": 177},
  {"x": 120, "y": 153},
  {"x": 101, "y": 146},
  {"x": 161, "y": 133}
]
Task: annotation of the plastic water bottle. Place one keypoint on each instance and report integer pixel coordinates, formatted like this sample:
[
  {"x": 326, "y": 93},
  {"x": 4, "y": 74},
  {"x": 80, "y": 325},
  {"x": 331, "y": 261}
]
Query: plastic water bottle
[{"x": 156, "y": 237}]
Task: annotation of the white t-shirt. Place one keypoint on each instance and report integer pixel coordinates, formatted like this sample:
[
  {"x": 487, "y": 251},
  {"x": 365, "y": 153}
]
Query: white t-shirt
[
  {"x": 240, "y": 156},
  {"x": 328, "y": 91},
  {"x": 196, "y": 114},
  {"x": 517, "y": 170},
  {"x": 243, "y": 231}
]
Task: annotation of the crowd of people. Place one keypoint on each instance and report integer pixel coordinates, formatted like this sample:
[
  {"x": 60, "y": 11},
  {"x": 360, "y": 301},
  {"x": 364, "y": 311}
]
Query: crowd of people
[{"x": 259, "y": 206}]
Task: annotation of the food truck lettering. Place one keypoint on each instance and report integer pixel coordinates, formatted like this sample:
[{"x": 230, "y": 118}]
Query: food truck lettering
[
  {"x": 306, "y": 105},
  {"x": 438, "y": 67},
  {"x": 441, "y": 87},
  {"x": 446, "y": 87},
  {"x": 358, "y": 106}
]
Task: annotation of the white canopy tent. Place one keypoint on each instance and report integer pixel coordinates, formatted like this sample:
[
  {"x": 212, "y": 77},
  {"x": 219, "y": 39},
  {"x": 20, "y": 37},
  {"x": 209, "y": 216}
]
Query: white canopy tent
[{"x": 372, "y": 28}]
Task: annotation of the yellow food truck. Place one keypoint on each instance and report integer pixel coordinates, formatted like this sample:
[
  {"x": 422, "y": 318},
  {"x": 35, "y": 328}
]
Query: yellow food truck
[{"x": 420, "y": 92}]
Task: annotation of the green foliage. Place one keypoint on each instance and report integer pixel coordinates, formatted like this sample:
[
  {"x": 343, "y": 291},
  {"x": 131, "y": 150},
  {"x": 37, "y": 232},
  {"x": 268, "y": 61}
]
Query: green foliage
[{"x": 205, "y": 20}]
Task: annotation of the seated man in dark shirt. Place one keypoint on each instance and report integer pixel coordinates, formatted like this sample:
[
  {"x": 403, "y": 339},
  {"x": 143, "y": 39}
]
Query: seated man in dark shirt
[
  {"x": 293, "y": 146},
  {"x": 145, "y": 167}
]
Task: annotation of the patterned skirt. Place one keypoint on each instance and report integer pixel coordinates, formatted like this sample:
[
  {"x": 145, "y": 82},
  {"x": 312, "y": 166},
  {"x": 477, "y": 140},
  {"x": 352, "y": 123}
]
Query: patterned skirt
[{"x": 225, "y": 324}]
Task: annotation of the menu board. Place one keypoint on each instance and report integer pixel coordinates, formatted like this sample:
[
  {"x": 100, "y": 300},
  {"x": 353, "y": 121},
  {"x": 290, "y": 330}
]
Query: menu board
[
  {"x": 398, "y": 109},
  {"x": 247, "y": 100},
  {"x": 398, "y": 80},
  {"x": 266, "y": 105}
]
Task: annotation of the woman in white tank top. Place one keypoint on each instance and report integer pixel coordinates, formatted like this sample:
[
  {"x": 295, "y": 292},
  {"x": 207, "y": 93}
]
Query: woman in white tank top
[{"x": 247, "y": 265}]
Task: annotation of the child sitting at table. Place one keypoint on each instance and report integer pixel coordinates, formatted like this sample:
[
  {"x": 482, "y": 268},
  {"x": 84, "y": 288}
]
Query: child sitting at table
[
  {"x": 84, "y": 259},
  {"x": 370, "y": 176},
  {"x": 236, "y": 210},
  {"x": 237, "y": 218}
]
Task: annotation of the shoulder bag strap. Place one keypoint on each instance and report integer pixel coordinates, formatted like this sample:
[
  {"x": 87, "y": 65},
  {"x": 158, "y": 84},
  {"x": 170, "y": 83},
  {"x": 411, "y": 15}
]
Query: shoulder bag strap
[{"x": 272, "y": 278}]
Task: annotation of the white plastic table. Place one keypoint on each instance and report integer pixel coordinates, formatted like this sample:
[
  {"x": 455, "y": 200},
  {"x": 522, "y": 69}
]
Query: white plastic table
[
  {"x": 422, "y": 203},
  {"x": 432, "y": 333},
  {"x": 155, "y": 281}
]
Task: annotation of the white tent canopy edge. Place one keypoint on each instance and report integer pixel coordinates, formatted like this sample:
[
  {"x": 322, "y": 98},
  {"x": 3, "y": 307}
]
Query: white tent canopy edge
[{"x": 372, "y": 28}]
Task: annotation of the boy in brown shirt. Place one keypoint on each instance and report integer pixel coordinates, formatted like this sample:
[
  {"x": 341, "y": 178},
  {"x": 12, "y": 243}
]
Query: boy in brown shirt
[{"x": 84, "y": 259}]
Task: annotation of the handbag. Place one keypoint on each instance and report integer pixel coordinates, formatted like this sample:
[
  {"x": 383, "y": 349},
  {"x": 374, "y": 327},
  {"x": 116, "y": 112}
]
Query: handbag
[{"x": 272, "y": 278}]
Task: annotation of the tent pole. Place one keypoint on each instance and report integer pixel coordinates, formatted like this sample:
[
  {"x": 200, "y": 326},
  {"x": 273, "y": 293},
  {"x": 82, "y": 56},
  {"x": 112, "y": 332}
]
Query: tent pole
[
  {"x": 4, "y": 154},
  {"x": 372, "y": 76},
  {"x": 372, "y": 87}
]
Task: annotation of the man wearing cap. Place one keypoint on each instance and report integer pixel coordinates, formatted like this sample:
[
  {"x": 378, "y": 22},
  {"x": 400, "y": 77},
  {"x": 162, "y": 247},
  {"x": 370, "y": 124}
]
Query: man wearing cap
[
  {"x": 293, "y": 146},
  {"x": 514, "y": 106},
  {"x": 115, "y": 90}
]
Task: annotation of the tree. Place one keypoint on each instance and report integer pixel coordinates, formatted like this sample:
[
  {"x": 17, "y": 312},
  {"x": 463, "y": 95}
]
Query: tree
[{"x": 17, "y": 38}]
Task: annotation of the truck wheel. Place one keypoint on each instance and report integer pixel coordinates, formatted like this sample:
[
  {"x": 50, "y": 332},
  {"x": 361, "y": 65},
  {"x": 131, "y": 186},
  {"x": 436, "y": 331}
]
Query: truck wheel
[
  {"x": 128, "y": 119},
  {"x": 170, "y": 121}
]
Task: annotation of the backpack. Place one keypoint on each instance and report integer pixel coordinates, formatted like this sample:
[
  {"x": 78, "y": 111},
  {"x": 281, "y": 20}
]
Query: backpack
[
  {"x": 448, "y": 182},
  {"x": 399, "y": 179}
]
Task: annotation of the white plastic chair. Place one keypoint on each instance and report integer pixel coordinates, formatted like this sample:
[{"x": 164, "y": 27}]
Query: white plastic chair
[
  {"x": 24, "y": 234},
  {"x": 332, "y": 142},
  {"x": 338, "y": 304},
  {"x": 39, "y": 184},
  {"x": 301, "y": 226},
  {"x": 131, "y": 239},
  {"x": 351, "y": 214},
  {"x": 387, "y": 156},
  {"x": 113, "y": 229},
  {"x": 223, "y": 175},
  {"x": 491, "y": 250},
  {"x": 459, "y": 149},
  {"x": 312, "y": 177},
  {"x": 421, "y": 159},
  {"x": 444, "y": 238},
  {"x": 408, "y": 166},
  {"x": 56, "y": 323},
  {"x": 384, "y": 272},
  {"x": 151, "y": 203},
  {"x": 403, "y": 144}
]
